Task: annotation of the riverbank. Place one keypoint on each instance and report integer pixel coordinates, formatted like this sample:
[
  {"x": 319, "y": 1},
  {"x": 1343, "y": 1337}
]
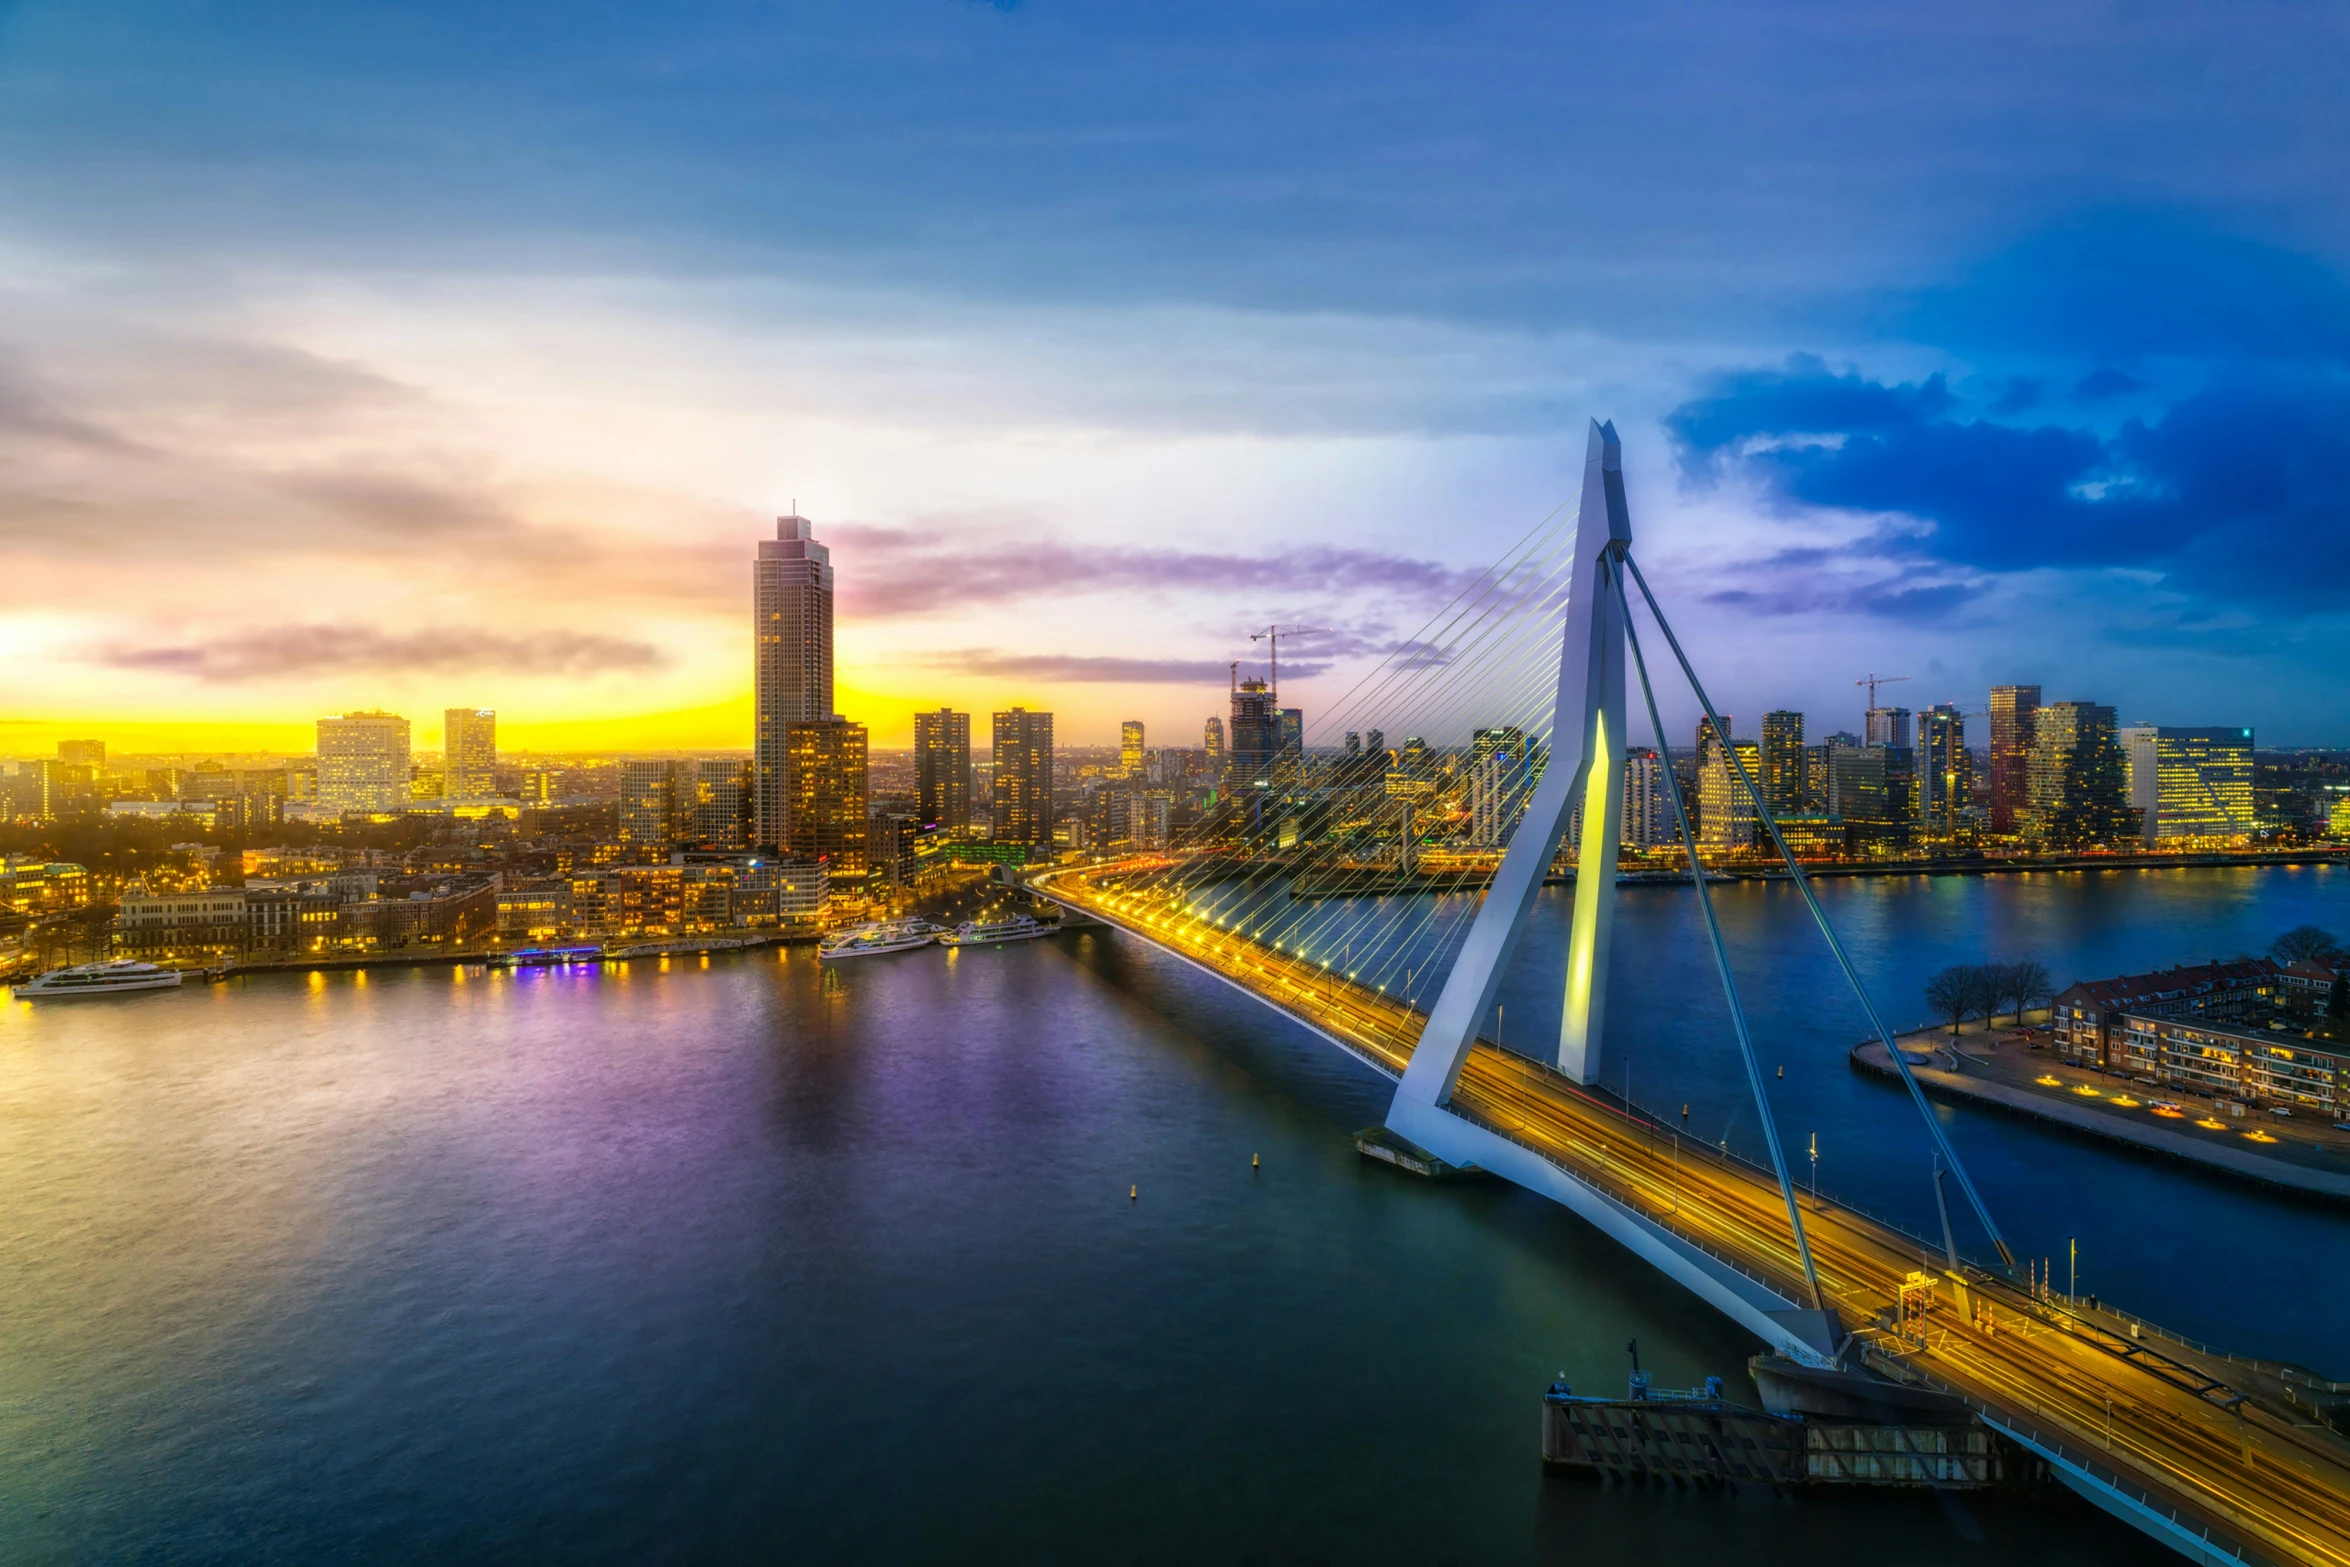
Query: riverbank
[{"x": 2304, "y": 1160}]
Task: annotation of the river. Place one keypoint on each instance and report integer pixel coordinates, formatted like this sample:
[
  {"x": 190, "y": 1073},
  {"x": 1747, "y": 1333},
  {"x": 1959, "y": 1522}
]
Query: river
[{"x": 745, "y": 1258}]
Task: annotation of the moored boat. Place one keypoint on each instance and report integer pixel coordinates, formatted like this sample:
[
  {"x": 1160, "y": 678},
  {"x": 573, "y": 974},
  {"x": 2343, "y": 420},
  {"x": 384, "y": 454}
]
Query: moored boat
[
  {"x": 867, "y": 941},
  {"x": 83, "y": 980},
  {"x": 988, "y": 933}
]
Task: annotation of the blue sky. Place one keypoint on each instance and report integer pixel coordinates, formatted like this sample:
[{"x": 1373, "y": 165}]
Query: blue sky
[{"x": 437, "y": 355}]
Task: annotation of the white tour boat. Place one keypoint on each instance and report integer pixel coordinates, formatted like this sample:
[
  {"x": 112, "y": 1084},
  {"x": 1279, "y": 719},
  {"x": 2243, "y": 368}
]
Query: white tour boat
[
  {"x": 96, "y": 979},
  {"x": 986, "y": 933},
  {"x": 867, "y": 941}
]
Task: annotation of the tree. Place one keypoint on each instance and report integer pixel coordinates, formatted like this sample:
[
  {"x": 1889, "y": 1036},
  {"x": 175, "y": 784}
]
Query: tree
[
  {"x": 2305, "y": 941},
  {"x": 1955, "y": 992},
  {"x": 2338, "y": 998},
  {"x": 2028, "y": 985}
]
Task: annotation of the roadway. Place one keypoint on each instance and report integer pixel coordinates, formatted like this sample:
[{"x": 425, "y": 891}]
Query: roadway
[{"x": 2164, "y": 1427}]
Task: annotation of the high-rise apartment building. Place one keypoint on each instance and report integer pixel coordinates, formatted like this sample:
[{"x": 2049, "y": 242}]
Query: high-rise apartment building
[
  {"x": 720, "y": 803},
  {"x": 791, "y": 668},
  {"x": 1647, "y": 819},
  {"x": 1130, "y": 748},
  {"x": 1499, "y": 783},
  {"x": 1215, "y": 744},
  {"x": 655, "y": 801},
  {"x": 1292, "y": 732},
  {"x": 363, "y": 763},
  {"x": 1945, "y": 769},
  {"x": 2190, "y": 785},
  {"x": 2079, "y": 784},
  {"x": 1725, "y": 809},
  {"x": 1889, "y": 727},
  {"x": 469, "y": 753},
  {"x": 942, "y": 770},
  {"x": 1856, "y": 791},
  {"x": 1782, "y": 762},
  {"x": 824, "y": 812},
  {"x": 1024, "y": 778},
  {"x": 2012, "y": 708}
]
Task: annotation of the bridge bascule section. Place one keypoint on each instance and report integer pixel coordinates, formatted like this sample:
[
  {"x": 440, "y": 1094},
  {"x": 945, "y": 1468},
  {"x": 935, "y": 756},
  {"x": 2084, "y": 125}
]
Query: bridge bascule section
[{"x": 2170, "y": 1441}]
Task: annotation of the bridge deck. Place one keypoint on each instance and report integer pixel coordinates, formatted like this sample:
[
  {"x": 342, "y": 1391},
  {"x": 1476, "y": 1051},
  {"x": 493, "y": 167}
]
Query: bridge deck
[{"x": 2169, "y": 1439}]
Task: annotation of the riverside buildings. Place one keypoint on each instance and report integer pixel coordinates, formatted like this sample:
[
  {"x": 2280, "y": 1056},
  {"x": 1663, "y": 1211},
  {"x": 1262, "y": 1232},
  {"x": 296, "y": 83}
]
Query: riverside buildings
[
  {"x": 2190, "y": 785},
  {"x": 2079, "y": 792},
  {"x": 1945, "y": 770},
  {"x": 791, "y": 625},
  {"x": 1782, "y": 777}
]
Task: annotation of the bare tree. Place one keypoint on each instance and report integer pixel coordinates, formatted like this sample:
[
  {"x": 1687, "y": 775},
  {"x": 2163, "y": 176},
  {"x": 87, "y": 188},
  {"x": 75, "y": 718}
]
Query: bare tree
[
  {"x": 2306, "y": 941},
  {"x": 2028, "y": 985},
  {"x": 1953, "y": 993}
]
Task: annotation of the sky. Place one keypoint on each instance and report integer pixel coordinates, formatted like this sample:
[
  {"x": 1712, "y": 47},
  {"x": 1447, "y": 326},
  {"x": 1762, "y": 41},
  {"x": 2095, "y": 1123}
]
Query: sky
[{"x": 420, "y": 356}]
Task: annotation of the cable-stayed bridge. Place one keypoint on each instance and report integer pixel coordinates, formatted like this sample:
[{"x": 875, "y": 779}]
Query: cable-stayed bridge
[{"x": 2199, "y": 1451}]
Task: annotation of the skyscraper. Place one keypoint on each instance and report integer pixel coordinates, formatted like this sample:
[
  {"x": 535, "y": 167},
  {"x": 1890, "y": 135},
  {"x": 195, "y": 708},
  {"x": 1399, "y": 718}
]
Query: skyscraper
[
  {"x": 942, "y": 770},
  {"x": 1726, "y": 816},
  {"x": 824, "y": 811},
  {"x": 1024, "y": 778},
  {"x": 2012, "y": 708},
  {"x": 363, "y": 763},
  {"x": 2079, "y": 782},
  {"x": 1255, "y": 733},
  {"x": 791, "y": 668},
  {"x": 1293, "y": 732},
  {"x": 1130, "y": 748},
  {"x": 1889, "y": 727},
  {"x": 1945, "y": 770},
  {"x": 1782, "y": 761},
  {"x": 1215, "y": 744},
  {"x": 469, "y": 753}
]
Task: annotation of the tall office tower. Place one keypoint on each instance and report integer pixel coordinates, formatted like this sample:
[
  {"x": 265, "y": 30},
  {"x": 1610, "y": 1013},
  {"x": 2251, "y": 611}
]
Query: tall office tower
[
  {"x": 363, "y": 763},
  {"x": 655, "y": 801},
  {"x": 720, "y": 817},
  {"x": 791, "y": 668},
  {"x": 1354, "y": 742},
  {"x": 1024, "y": 778},
  {"x": 1255, "y": 733},
  {"x": 1293, "y": 731},
  {"x": 2080, "y": 790},
  {"x": 942, "y": 770},
  {"x": 1890, "y": 728},
  {"x": 2012, "y": 708},
  {"x": 1375, "y": 742},
  {"x": 1704, "y": 748},
  {"x": 1215, "y": 744},
  {"x": 1782, "y": 761},
  {"x": 1130, "y": 748},
  {"x": 1815, "y": 776},
  {"x": 1725, "y": 813},
  {"x": 824, "y": 812},
  {"x": 1856, "y": 790},
  {"x": 2189, "y": 785},
  {"x": 1645, "y": 812},
  {"x": 83, "y": 753},
  {"x": 469, "y": 753},
  {"x": 1498, "y": 785},
  {"x": 1945, "y": 769}
]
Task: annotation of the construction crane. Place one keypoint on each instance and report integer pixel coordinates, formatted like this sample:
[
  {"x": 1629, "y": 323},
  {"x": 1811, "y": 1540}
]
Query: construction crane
[
  {"x": 1873, "y": 680},
  {"x": 1273, "y": 635}
]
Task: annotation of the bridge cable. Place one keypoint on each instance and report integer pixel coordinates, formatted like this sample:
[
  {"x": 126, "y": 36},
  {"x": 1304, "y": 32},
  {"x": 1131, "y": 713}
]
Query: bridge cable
[
  {"x": 1713, "y": 932},
  {"x": 1818, "y": 914}
]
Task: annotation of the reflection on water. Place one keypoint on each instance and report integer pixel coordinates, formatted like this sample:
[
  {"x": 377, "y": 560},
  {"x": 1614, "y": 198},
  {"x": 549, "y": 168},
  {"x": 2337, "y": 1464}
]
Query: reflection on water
[{"x": 748, "y": 1258}]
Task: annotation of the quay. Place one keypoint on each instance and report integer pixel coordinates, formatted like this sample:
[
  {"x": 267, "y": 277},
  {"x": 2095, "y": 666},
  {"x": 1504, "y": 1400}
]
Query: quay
[{"x": 2304, "y": 1162}]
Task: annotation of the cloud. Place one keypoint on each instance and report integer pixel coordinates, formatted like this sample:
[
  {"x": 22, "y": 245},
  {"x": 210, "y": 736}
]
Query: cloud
[
  {"x": 295, "y": 652},
  {"x": 907, "y": 571},
  {"x": 2239, "y": 491},
  {"x": 1079, "y": 669},
  {"x": 2105, "y": 383}
]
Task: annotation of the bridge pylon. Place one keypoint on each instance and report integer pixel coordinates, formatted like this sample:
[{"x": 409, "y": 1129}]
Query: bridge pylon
[{"x": 1588, "y": 745}]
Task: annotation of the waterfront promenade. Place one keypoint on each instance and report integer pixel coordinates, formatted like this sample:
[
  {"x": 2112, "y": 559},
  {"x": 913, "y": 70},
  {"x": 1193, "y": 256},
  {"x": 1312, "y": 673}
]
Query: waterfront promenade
[{"x": 2298, "y": 1155}]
